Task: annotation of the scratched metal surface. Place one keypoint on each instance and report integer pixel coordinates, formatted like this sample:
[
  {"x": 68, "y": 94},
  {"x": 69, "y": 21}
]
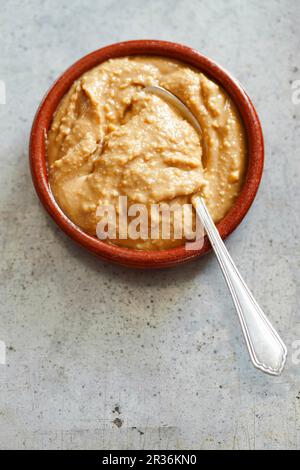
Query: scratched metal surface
[{"x": 103, "y": 357}]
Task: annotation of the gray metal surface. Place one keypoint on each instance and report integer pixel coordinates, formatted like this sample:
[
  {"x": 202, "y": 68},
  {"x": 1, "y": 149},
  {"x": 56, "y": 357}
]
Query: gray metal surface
[{"x": 99, "y": 356}]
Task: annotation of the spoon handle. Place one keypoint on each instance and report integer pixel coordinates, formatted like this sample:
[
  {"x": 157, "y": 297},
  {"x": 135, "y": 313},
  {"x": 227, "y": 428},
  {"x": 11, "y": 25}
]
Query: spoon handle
[{"x": 267, "y": 350}]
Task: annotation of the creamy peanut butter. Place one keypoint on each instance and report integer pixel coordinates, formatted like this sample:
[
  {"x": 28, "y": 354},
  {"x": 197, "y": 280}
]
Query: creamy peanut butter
[{"x": 109, "y": 138}]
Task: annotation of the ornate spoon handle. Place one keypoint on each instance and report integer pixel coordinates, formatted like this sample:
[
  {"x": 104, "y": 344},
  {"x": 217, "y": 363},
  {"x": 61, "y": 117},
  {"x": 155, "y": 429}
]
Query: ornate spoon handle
[{"x": 266, "y": 349}]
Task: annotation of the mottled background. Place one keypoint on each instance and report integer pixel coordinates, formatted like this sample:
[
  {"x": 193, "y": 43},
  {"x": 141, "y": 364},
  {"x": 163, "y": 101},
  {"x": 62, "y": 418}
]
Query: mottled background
[{"x": 104, "y": 357}]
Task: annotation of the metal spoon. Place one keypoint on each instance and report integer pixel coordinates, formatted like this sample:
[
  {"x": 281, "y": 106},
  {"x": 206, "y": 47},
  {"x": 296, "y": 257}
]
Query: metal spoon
[{"x": 267, "y": 350}]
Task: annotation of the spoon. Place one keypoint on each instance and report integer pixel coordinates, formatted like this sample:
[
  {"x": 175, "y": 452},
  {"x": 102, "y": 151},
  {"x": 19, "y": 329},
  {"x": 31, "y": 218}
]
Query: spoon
[{"x": 267, "y": 350}]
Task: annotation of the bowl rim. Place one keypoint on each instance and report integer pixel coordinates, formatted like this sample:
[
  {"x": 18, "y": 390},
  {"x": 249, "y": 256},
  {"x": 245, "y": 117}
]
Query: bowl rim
[{"x": 126, "y": 256}]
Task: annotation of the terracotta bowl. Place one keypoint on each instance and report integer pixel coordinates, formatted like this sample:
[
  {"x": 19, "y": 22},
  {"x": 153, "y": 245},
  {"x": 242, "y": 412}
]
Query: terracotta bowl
[{"x": 125, "y": 256}]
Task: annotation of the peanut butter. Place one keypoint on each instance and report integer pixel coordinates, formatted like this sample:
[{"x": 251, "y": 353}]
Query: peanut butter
[{"x": 109, "y": 138}]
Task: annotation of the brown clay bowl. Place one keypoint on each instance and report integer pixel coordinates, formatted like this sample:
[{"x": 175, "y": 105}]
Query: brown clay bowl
[{"x": 125, "y": 256}]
